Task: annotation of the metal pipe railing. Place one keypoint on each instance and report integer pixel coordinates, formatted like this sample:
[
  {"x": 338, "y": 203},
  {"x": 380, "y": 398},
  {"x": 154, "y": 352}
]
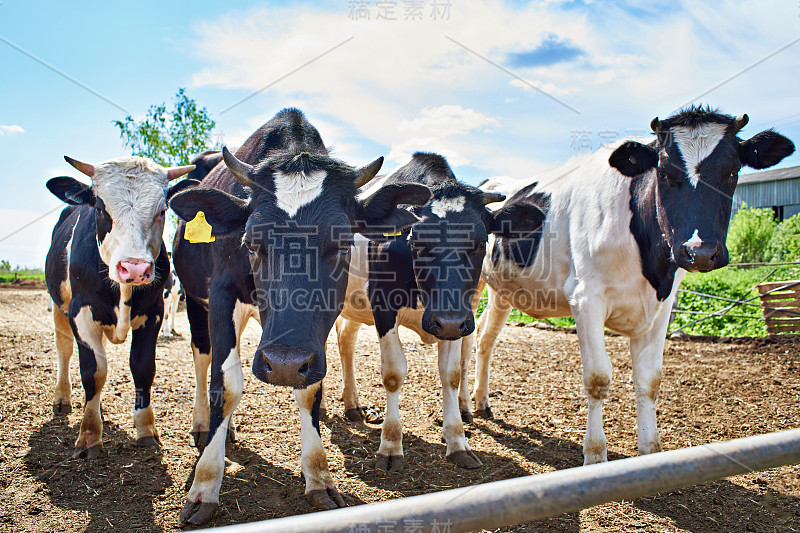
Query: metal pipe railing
[{"x": 513, "y": 501}]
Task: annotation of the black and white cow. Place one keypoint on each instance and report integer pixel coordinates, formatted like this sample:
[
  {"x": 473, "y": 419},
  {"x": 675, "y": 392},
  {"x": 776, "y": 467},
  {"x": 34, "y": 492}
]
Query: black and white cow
[
  {"x": 105, "y": 272},
  {"x": 283, "y": 214},
  {"x": 619, "y": 235},
  {"x": 424, "y": 279}
]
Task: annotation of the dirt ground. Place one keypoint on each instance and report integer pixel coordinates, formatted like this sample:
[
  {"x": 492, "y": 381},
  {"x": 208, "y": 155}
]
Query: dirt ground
[{"x": 712, "y": 390}]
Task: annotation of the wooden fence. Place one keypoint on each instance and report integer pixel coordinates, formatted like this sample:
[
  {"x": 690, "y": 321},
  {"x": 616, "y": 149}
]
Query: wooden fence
[{"x": 781, "y": 302}]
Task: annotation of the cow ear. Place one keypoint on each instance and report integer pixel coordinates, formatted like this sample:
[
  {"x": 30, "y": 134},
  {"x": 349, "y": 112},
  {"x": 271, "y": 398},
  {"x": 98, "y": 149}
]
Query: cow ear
[
  {"x": 516, "y": 221},
  {"x": 380, "y": 212},
  {"x": 633, "y": 159},
  {"x": 180, "y": 186},
  {"x": 225, "y": 213},
  {"x": 71, "y": 191},
  {"x": 765, "y": 149}
]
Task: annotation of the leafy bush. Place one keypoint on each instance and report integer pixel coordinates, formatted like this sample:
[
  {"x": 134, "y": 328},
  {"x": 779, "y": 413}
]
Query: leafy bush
[
  {"x": 750, "y": 234},
  {"x": 785, "y": 243},
  {"x": 731, "y": 283}
]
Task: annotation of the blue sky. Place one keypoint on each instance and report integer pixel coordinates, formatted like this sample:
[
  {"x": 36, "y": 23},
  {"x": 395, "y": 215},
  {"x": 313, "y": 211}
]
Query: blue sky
[{"x": 464, "y": 79}]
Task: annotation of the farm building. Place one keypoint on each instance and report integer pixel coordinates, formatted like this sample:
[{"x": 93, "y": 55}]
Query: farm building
[{"x": 777, "y": 189}]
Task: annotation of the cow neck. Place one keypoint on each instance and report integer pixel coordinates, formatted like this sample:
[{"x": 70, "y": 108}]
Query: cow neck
[{"x": 653, "y": 248}]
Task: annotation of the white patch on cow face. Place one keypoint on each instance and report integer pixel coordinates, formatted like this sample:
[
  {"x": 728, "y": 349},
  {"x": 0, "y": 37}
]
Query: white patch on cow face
[
  {"x": 694, "y": 241},
  {"x": 293, "y": 191},
  {"x": 134, "y": 191},
  {"x": 441, "y": 206},
  {"x": 696, "y": 144}
]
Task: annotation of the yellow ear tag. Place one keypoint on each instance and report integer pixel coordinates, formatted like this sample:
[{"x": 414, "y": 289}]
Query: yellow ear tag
[
  {"x": 198, "y": 230},
  {"x": 393, "y": 234}
]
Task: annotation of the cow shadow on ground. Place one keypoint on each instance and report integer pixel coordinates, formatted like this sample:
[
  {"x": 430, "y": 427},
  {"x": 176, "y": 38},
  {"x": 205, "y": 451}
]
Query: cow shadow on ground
[
  {"x": 713, "y": 506},
  {"x": 427, "y": 469},
  {"x": 119, "y": 487}
]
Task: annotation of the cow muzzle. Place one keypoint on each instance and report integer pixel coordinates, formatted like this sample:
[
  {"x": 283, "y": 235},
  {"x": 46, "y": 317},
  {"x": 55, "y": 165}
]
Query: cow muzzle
[
  {"x": 702, "y": 256},
  {"x": 289, "y": 366},
  {"x": 135, "y": 271},
  {"x": 448, "y": 325}
]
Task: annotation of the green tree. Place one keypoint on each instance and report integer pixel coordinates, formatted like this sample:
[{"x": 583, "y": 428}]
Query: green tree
[
  {"x": 750, "y": 234},
  {"x": 170, "y": 138}
]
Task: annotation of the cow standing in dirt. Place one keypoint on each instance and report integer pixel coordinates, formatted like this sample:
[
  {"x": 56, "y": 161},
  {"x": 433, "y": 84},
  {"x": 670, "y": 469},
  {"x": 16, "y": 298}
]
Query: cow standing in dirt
[
  {"x": 425, "y": 279},
  {"x": 283, "y": 214},
  {"x": 619, "y": 235},
  {"x": 105, "y": 272}
]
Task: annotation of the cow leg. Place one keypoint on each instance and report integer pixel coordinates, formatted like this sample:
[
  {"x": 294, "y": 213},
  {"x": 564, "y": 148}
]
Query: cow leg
[
  {"x": 201, "y": 353},
  {"x": 647, "y": 354},
  {"x": 467, "y": 347},
  {"x": 320, "y": 489},
  {"x": 464, "y": 404},
  {"x": 174, "y": 302},
  {"x": 65, "y": 341},
  {"x": 227, "y": 382},
  {"x": 589, "y": 321},
  {"x": 347, "y": 335},
  {"x": 490, "y": 324},
  {"x": 393, "y": 372},
  {"x": 93, "y": 366},
  {"x": 143, "y": 369},
  {"x": 458, "y": 451}
]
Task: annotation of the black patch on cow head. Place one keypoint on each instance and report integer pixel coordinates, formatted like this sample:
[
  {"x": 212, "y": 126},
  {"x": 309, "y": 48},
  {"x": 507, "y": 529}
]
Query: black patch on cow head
[
  {"x": 71, "y": 191},
  {"x": 522, "y": 251},
  {"x": 182, "y": 185},
  {"x": 681, "y": 202}
]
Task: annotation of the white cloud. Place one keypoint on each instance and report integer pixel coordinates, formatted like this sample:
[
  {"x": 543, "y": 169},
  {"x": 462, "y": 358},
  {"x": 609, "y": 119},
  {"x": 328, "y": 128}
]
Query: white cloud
[
  {"x": 7, "y": 130},
  {"x": 447, "y": 120},
  {"x": 405, "y": 85}
]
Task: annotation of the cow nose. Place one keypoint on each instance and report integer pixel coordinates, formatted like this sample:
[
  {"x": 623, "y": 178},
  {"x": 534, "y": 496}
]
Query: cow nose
[
  {"x": 135, "y": 272},
  {"x": 289, "y": 366},
  {"x": 451, "y": 325},
  {"x": 703, "y": 256}
]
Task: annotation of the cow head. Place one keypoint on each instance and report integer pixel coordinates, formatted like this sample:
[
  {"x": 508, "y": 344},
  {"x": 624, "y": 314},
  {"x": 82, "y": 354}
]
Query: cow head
[
  {"x": 448, "y": 246},
  {"x": 696, "y": 158},
  {"x": 129, "y": 196},
  {"x": 297, "y": 229}
]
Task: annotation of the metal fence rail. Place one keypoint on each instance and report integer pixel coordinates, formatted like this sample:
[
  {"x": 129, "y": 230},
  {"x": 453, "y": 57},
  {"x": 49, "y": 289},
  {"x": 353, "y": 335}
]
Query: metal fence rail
[{"x": 514, "y": 501}]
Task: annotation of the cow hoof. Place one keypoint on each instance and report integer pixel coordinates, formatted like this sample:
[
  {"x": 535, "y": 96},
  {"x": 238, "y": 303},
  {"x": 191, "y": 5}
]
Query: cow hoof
[
  {"x": 373, "y": 415},
  {"x": 149, "y": 442},
  {"x": 197, "y": 513},
  {"x": 485, "y": 413},
  {"x": 200, "y": 438},
  {"x": 356, "y": 414},
  {"x": 390, "y": 463},
  {"x": 466, "y": 417},
  {"x": 62, "y": 407},
  {"x": 326, "y": 499},
  {"x": 92, "y": 452},
  {"x": 465, "y": 459}
]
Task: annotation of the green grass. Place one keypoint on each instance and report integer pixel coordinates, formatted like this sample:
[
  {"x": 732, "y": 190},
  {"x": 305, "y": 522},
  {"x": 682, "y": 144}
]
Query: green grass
[{"x": 7, "y": 276}]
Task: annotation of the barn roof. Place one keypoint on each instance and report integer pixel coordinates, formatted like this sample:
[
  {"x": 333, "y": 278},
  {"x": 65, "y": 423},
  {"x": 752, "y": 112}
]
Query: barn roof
[{"x": 770, "y": 175}]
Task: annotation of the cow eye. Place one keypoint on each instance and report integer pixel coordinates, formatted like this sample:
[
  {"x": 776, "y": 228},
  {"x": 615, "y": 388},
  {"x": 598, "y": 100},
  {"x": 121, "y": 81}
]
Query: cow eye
[
  {"x": 251, "y": 248},
  {"x": 162, "y": 213},
  {"x": 344, "y": 249}
]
